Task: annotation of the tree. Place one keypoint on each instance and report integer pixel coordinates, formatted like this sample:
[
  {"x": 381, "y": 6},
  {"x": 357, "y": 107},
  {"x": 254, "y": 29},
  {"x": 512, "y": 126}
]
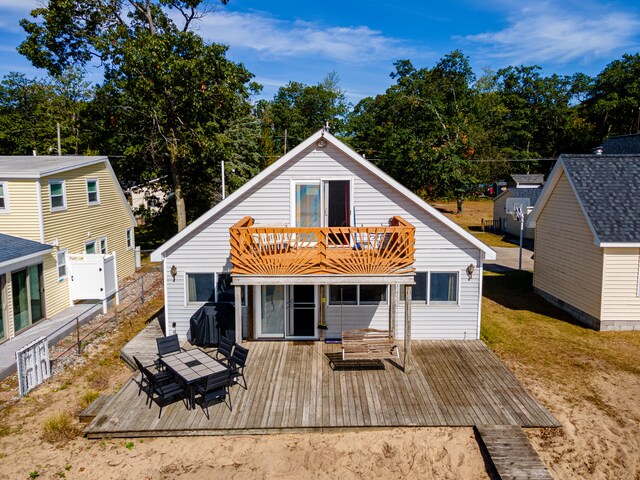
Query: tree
[
  {"x": 300, "y": 110},
  {"x": 172, "y": 102},
  {"x": 614, "y": 101}
]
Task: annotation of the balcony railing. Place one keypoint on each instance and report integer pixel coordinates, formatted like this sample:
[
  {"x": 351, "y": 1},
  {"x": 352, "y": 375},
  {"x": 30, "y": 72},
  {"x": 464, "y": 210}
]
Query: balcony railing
[{"x": 270, "y": 250}]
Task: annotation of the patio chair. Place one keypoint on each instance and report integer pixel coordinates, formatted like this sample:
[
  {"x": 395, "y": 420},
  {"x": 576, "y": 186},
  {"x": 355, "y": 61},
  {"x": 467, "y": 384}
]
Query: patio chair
[
  {"x": 215, "y": 387},
  {"x": 162, "y": 392},
  {"x": 168, "y": 345},
  {"x": 225, "y": 348},
  {"x": 161, "y": 377},
  {"x": 237, "y": 363}
]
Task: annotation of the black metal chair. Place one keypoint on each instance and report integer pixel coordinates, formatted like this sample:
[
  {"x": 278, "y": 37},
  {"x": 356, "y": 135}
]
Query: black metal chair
[
  {"x": 225, "y": 348},
  {"x": 162, "y": 392},
  {"x": 168, "y": 345},
  {"x": 161, "y": 377},
  {"x": 237, "y": 363},
  {"x": 215, "y": 387}
]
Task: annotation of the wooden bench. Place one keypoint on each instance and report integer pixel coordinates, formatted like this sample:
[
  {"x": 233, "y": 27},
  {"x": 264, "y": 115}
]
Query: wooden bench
[{"x": 368, "y": 344}]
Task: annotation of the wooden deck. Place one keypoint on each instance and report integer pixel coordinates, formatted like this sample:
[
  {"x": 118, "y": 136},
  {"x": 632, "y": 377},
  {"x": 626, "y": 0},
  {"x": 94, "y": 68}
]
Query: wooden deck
[
  {"x": 511, "y": 453},
  {"x": 292, "y": 388}
]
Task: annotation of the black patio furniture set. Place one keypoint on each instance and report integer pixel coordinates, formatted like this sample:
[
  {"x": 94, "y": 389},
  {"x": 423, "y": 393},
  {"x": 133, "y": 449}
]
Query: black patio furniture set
[{"x": 193, "y": 376}]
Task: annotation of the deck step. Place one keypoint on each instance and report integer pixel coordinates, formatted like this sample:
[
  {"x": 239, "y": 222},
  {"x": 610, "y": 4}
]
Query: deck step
[
  {"x": 89, "y": 413},
  {"x": 512, "y": 455}
]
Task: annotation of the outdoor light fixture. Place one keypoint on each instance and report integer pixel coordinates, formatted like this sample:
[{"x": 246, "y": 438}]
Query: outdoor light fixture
[
  {"x": 321, "y": 143},
  {"x": 470, "y": 269},
  {"x": 174, "y": 272}
]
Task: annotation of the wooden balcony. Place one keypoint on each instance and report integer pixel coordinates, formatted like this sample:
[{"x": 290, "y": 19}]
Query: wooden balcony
[{"x": 269, "y": 250}]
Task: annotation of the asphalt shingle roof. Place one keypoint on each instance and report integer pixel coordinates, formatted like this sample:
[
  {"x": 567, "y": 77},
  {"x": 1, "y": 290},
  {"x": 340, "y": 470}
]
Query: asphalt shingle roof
[
  {"x": 608, "y": 186},
  {"x": 36, "y": 167},
  {"x": 623, "y": 144},
  {"x": 12, "y": 248},
  {"x": 528, "y": 178}
]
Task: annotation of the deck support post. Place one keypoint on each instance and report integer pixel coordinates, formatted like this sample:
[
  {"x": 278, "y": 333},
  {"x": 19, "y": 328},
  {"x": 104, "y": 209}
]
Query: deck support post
[
  {"x": 237, "y": 290},
  {"x": 393, "y": 309},
  {"x": 407, "y": 328}
]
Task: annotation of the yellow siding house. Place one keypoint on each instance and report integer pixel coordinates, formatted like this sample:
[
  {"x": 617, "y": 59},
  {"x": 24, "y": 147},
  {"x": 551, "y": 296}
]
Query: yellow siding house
[
  {"x": 587, "y": 240},
  {"x": 73, "y": 204}
]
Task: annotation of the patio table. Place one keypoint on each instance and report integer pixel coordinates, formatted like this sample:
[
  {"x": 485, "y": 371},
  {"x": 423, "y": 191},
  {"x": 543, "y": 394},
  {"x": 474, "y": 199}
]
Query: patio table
[{"x": 192, "y": 367}]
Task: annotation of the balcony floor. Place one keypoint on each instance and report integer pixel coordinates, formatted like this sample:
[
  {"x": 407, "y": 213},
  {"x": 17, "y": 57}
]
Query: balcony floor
[{"x": 292, "y": 388}]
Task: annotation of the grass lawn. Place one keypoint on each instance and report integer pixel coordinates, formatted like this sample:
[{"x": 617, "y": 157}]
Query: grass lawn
[{"x": 473, "y": 212}]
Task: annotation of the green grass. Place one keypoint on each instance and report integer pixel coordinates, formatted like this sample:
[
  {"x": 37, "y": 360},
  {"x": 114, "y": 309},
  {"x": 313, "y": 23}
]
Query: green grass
[{"x": 522, "y": 327}]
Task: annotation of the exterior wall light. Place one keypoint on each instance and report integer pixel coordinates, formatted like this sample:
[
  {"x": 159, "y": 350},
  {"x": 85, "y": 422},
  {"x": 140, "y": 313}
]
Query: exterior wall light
[
  {"x": 321, "y": 143},
  {"x": 470, "y": 269},
  {"x": 174, "y": 272}
]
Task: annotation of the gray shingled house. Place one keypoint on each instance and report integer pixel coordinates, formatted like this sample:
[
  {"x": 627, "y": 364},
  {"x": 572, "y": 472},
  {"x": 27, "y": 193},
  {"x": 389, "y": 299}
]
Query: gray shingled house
[{"x": 587, "y": 239}]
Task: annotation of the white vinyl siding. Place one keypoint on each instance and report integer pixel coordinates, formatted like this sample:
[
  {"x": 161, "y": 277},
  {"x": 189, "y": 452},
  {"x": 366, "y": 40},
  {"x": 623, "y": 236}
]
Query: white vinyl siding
[{"x": 437, "y": 246}]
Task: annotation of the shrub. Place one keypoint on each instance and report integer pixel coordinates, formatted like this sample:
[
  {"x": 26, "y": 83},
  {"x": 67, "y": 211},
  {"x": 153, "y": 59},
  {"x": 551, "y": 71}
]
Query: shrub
[
  {"x": 59, "y": 427},
  {"x": 88, "y": 398}
]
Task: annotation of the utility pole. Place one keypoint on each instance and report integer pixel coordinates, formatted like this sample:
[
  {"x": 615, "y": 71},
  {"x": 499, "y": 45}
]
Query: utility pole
[
  {"x": 59, "y": 147},
  {"x": 285, "y": 141},
  {"x": 223, "y": 194}
]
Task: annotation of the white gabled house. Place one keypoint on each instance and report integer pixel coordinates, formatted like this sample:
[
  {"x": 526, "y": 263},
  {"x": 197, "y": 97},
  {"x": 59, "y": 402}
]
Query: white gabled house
[{"x": 324, "y": 237}]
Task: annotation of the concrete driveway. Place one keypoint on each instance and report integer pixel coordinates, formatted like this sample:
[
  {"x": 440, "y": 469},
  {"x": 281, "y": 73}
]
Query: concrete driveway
[{"x": 507, "y": 260}]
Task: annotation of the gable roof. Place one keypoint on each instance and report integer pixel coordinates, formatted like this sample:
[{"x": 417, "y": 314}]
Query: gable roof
[
  {"x": 41, "y": 166},
  {"x": 608, "y": 192},
  {"x": 13, "y": 248},
  {"x": 158, "y": 254},
  {"x": 622, "y": 144},
  {"x": 530, "y": 178},
  {"x": 532, "y": 193}
]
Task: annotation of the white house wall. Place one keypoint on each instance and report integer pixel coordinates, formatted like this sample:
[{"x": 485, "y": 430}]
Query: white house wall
[{"x": 437, "y": 246}]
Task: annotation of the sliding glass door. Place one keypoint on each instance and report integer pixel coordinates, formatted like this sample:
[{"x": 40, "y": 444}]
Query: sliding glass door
[
  {"x": 272, "y": 311},
  {"x": 27, "y": 301},
  {"x": 286, "y": 311}
]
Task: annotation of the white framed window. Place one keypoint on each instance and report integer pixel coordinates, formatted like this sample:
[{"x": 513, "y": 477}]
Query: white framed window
[
  {"x": 4, "y": 197},
  {"x": 90, "y": 247},
  {"x": 93, "y": 191},
  {"x": 211, "y": 287},
  {"x": 129, "y": 238},
  {"x": 357, "y": 294},
  {"x": 61, "y": 262},
  {"x": 103, "y": 246},
  {"x": 57, "y": 194},
  {"x": 443, "y": 288},
  {"x": 419, "y": 290}
]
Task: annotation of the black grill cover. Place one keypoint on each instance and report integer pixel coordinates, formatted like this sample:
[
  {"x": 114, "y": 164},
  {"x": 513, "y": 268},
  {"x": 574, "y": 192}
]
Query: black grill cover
[{"x": 210, "y": 321}]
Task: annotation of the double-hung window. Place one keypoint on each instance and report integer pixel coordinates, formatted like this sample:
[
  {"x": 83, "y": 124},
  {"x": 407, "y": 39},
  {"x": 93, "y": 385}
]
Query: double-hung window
[
  {"x": 103, "y": 246},
  {"x": 57, "y": 195},
  {"x": 4, "y": 198},
  {"x": 129, "y": 238},
  {"x": 93, "y": 191},
  {"x": 61, "y": 260},
  {"x": 90, "y": 247}
]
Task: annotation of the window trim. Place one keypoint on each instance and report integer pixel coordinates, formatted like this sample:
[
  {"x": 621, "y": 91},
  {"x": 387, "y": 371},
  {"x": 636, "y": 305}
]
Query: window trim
[
  {"x": 97, "y": 192},
  {"x": 95, "y": 246},
  {"x": 445, "y": 303},
  {"x": 64, "y": 195},
  {"x": 5, "y": 196},
  {"x": 427, "y": 274},
  {"x": 106, "y": 245},
  {"x": 358, "y": 301},
  {"x": 66, "y": 273},
  {"x": 129, "y": 238}
]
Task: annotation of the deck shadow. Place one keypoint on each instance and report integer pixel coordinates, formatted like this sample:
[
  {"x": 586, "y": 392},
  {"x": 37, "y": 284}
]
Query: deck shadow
[{"x": 337, "y": 363}]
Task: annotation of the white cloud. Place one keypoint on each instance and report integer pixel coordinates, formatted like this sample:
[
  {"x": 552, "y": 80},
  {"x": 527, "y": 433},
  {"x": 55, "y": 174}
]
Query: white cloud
[
  {"x": 274, "y": 38},
  {"x": 549, "y": 33}
]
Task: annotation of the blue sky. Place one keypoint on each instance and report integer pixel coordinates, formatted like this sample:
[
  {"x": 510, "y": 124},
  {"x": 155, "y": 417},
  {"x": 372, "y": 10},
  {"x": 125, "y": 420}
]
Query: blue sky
[{"x": 283, "y": 40}]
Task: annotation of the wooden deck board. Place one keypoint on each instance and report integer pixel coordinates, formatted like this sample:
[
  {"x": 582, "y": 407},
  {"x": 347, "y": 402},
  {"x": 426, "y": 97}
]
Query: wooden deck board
[{"x": 293, "y": 388}]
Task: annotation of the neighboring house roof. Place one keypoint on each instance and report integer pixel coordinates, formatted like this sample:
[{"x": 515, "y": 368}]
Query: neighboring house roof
[
  {"x": 608, "y": 191},
  {"x": 41, "y": 166},
  {"x": 528, "y": 178},
  {"x": 622, "y": 144},
  {"x": 158, "y": 254},
  {"x": 13, "y": 248},
  {"x": 532, "y": 193}
]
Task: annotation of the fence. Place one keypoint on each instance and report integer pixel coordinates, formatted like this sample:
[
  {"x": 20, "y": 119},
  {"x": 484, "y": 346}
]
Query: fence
[
  {"x": 494, "y": 225},
  {"x": 132, "y": 296}
]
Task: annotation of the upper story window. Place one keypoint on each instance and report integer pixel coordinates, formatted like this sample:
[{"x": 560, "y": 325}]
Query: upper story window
[
  {"x": 129, "y": 238},
  {"x": 4, "y": 198},
  {"x": 93, "y": 191},
  {"x": 57, "y": 194}
]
